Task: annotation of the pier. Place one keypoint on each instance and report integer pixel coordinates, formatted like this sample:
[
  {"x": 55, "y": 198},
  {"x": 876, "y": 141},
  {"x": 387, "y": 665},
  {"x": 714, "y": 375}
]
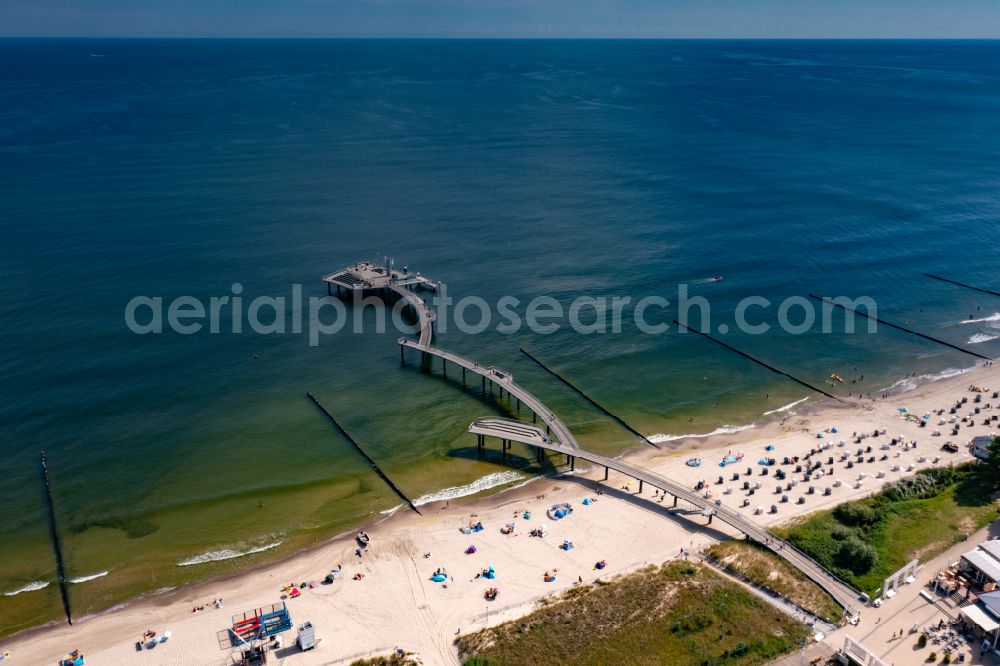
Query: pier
[
  {"x": 369, "y": 276},
  {"x": 505, "y": 381},
  {"x": 556, "y": 436},
  {"x": 508, "y": 430}
]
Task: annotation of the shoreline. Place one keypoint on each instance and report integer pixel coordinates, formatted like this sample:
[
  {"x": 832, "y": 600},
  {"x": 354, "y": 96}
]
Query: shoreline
[{"x": 530, "y": 491}]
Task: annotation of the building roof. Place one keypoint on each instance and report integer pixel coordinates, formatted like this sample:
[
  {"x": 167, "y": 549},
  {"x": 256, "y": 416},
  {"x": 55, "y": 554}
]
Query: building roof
[
  {"x": 992, "y": 547},
  {"x": 980, "y": 618},
  {"x": 981, "y": 560},
  {"x": 991, "y": 600}
]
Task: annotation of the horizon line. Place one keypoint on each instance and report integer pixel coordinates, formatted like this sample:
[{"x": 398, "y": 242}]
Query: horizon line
[{"x": 497, "y": 38}]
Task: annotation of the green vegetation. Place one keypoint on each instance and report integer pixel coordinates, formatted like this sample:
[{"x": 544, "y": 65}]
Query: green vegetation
[
  {"x": 678, "y": 613},
  {"x": 767, "y": 569},
  {"x": 992, "y": 464},
  {"x": 865, "y": 541},
  {"x": 395, "y": 659}
]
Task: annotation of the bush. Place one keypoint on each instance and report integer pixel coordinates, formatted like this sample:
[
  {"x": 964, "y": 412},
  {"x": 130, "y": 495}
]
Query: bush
[
  {"x": 932, "y": 657},
  {"x": 840, "y": 532},
  {"x": 922, "y": 641},
  {"x": 857, "y": 514},
  {"x": 922, "y": 485},
  {"x": 856, "y": 555}
]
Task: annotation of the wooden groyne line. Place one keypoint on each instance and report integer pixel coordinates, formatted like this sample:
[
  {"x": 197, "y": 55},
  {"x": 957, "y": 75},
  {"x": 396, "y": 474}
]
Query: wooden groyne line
[
  {"x": 962, "y": 284},
  {"x": 56, "y": 545},
  {"x": 902, "y": 328},
  {"x": 586, "y": 397},
  {"x": 761, "y": 363},
  {"x": 367, "y": 457}
]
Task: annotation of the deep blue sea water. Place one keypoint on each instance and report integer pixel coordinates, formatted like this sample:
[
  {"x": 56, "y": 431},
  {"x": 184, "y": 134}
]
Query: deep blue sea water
[{"x": 523, "y": 168}]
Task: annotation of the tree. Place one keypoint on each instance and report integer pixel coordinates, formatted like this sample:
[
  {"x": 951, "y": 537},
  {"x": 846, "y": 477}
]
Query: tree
[
  {"x": 857, "y": 514},
  {"x": 993, "y": 463},
  {"x": 856, "y": 555}
]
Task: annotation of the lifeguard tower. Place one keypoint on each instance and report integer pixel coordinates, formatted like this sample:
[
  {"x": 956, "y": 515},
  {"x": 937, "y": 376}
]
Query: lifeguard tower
[{"x": 260, "y": 624}]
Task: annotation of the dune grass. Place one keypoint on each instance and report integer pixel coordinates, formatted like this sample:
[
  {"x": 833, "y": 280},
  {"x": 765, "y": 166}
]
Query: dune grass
[
  {"x": 679, "y": 613},
  {"x": 767, "y": 569},
  {"x": 395, "y": 659}
]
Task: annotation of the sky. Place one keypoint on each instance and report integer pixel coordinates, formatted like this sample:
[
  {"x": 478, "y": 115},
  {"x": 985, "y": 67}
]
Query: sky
[{"x": 502, "y": 18}]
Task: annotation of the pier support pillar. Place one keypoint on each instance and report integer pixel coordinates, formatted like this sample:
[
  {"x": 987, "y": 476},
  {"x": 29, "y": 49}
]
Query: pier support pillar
[
  {"x": 640, "y": 487},
  {"x": 444, "y": 367},
  {"x": 710, "y": 516},
  {"x": 534, "y": 417},
  {"x": 547, "y": 430},
  {"x": 329, "y": 289},
  {"x": 402, "y": 359},
  {"x": 605, "y": 473},
  {"x": 484, "y": 385},
  {"x": 463, "y": 375},
  {"x": 538, "y": 454},
  {"x": 518, "y": 405},
  {"x": 572, "y": 463},
  {"x": 675, "y": 501}
]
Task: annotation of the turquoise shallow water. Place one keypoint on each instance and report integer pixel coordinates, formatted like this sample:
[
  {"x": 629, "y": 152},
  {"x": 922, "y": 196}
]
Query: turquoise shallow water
[{"x": 170, "y": 168}]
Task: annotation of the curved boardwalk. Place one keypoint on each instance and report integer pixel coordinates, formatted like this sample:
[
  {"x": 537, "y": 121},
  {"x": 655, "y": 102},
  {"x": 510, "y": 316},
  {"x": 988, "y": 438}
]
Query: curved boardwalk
[
  {"x": 512, "y": 430},
  {"x": 504, "y": 380},
  {"x": 425, "y": 315},
  {"x": 518, "y": 431}
]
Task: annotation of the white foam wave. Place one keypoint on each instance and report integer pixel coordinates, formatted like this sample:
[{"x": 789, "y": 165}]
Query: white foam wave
[
  {"x": 904, "y": 384},
  {"x": 981, "y": 337},
  {"x": 722, "y": 430},
  {"x": 945, "y": 374},
  {"x": 477, "y": 486},
  {"x": 391, "y": 510},
  {"x": 84, "y": 579},
  {"x": 30, "y": 587},
  {"x": 993, "y": 317},
  {"x": 219, "y": 555},
  {"x": 910, "y": 383},
  {"x": 786, "y": 407}
]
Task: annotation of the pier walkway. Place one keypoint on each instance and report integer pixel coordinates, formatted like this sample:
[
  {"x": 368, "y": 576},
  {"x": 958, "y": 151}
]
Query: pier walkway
[
  {"x": 505, "y": 381},
  {"x": 556, "y": 436},
  {"x": 525, "y": 433},
  {"x": 425, "y": 315}
]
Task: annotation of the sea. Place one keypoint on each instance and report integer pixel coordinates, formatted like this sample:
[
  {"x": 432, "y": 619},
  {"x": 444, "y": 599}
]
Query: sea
[{"x": 554, "y": 173}]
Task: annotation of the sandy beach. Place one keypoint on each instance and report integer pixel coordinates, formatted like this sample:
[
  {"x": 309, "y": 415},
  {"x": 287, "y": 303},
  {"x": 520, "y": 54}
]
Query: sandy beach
[{"x": 396, "y": 604}]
